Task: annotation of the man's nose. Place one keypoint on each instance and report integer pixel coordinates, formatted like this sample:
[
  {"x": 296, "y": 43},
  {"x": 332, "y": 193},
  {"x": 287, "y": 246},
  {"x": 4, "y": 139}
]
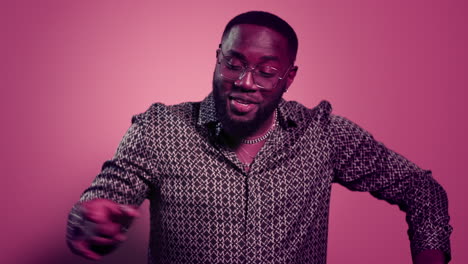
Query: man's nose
[{"x": 246, "y": 81}]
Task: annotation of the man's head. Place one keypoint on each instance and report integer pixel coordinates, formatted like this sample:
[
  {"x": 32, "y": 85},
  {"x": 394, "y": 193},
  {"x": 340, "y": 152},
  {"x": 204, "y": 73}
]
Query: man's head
[
  {"x": 255, "y": 66},
  {"x": 270, "y": 21}
]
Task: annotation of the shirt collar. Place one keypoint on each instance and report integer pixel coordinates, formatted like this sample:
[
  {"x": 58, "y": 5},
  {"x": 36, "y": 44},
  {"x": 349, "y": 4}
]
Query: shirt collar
[
  {"x": 207, "y": 111},
  {"x": 208, "y": 115}
]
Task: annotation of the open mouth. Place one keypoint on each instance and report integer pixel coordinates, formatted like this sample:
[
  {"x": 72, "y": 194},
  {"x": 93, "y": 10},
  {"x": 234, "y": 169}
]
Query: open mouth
[
  {"x": 241, "y": 102},
  {"x": 241, "y": 106}
]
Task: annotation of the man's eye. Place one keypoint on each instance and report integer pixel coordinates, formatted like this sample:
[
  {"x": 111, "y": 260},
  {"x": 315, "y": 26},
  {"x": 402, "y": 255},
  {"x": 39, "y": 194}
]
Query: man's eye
[
  {"x": 267, "y": 72},
  {"x": 233, "y": 65}
]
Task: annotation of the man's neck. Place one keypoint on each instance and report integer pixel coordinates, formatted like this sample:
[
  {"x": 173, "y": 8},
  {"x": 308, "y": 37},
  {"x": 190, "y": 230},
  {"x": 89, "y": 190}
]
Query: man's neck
[
  {"x": 234, "y": 140},
  {"x": 262, "y": 129}
]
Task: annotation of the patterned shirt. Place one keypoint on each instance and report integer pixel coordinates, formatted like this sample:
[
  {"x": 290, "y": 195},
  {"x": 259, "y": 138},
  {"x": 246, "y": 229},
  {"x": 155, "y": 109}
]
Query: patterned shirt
[{"x": 206, "y": 208}]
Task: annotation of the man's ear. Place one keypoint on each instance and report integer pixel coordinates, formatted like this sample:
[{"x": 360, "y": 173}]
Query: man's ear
[
  {"x": 218, "y": 50},
  {"x": 217, "y": 55},
  {"x": 290, "y": 77}
]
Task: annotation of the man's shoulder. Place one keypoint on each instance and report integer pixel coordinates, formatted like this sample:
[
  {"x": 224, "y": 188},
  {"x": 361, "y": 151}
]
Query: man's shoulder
[
  {"x": 321, "y": 114},
  {"x": 160, "y": 112},
  {"x": 303, "y": 115}
]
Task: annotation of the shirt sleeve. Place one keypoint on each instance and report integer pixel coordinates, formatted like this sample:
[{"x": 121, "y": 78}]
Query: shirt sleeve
[
  {"x": 127, "y": 178},
  {"x": 363, "y": 164}
]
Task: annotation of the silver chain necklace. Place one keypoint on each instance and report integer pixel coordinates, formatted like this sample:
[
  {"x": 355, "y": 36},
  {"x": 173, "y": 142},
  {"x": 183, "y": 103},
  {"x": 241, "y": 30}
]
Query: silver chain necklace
[{"x": 264, "y": 136}]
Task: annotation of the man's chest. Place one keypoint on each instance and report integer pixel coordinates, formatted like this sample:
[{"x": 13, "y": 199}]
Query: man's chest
[{"x": 200, "y": 175}]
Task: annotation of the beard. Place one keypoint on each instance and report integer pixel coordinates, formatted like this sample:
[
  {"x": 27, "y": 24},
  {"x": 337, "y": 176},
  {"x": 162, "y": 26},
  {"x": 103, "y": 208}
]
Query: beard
[{"x": 239, "y": 128}]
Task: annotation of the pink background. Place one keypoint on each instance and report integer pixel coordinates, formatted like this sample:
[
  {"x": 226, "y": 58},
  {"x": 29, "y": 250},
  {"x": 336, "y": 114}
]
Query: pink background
[{"x": 74, "y": 72}]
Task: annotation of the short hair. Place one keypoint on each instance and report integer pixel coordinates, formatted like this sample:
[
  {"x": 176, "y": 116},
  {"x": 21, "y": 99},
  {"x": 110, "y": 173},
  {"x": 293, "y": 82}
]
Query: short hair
[{"x": 270, "y": 21}]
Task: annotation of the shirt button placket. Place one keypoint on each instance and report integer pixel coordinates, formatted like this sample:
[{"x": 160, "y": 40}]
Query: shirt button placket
[{"x": 250, "y": 215}]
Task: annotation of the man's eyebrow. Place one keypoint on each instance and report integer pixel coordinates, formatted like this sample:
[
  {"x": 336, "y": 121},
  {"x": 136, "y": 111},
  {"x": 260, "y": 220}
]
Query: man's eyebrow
[
  {"x": 236, "y": 54},
  {"x": 242, "y": 57},
  {"x": 270, "y": 57}
]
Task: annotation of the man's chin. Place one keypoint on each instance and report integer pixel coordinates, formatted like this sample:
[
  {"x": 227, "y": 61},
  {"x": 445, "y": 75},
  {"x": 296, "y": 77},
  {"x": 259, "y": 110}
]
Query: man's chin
[
  {"x": 242, "y": 118},
  {"x": 241, "y": 125},
  {"x": 238, "y": 121}
]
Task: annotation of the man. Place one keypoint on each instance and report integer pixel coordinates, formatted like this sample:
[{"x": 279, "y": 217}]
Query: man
[{"x": 245, "y": 176}]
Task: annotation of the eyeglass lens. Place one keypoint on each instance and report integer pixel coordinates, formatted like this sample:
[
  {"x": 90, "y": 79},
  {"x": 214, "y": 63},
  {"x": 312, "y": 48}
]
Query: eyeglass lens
[{"x": 264, "y": 76}]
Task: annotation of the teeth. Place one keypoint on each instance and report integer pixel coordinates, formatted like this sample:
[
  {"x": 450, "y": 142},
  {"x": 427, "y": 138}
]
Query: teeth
[{"x": 242, "y": 103}]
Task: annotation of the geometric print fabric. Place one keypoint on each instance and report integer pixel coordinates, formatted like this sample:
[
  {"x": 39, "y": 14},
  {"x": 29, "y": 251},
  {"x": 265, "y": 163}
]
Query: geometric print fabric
[{"x": 205, "y": 208}]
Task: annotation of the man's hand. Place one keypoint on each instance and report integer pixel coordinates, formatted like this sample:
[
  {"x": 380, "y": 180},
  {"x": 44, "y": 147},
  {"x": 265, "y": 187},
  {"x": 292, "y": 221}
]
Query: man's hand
[
  {"x": 431, "y": 256},
  {"x": 104, "y": 227}
]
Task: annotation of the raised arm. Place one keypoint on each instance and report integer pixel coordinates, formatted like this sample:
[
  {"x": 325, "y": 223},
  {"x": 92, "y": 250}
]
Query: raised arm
[
  {"x": 97, "y": 223},
  {"x": 363, "y": 164}
]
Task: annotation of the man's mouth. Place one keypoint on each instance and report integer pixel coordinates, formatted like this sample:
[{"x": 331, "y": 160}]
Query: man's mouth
[{"x": 241, "y": 106}]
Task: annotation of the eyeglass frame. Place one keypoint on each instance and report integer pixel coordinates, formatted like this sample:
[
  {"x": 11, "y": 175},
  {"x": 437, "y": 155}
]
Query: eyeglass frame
[{"x": 246, "y": 68}]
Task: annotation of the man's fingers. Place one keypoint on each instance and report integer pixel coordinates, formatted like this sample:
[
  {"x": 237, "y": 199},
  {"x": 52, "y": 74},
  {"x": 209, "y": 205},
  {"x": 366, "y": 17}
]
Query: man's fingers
[
  {"x": 96, "y": 216},
  {"x": 120, "y": 237},
  {"x": 81, "y": 247},
  {"x": 130, "y": 211},
  {"x": 104, "y": 241},
  {"x": 106, "y": 221},
  {"x": 124, "y": 214},
  {"x": 104, "y": 227},
  {"x": 109, "y": 229},
  {"x": 98, "y": 210},
  {"x": 103, "y": 211}
]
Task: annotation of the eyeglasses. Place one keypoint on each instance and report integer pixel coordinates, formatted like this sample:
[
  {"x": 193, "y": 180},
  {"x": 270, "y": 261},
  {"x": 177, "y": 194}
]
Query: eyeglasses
[{"x": 264, "y": 76}]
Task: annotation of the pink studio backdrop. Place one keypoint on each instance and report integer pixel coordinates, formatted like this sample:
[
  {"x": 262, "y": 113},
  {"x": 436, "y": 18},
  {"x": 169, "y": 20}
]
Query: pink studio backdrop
[{"x": 74, "y": 72}]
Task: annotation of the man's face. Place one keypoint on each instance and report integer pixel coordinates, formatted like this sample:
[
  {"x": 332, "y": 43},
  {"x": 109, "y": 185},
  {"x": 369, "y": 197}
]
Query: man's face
[{"x": 240, "y": 104}]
